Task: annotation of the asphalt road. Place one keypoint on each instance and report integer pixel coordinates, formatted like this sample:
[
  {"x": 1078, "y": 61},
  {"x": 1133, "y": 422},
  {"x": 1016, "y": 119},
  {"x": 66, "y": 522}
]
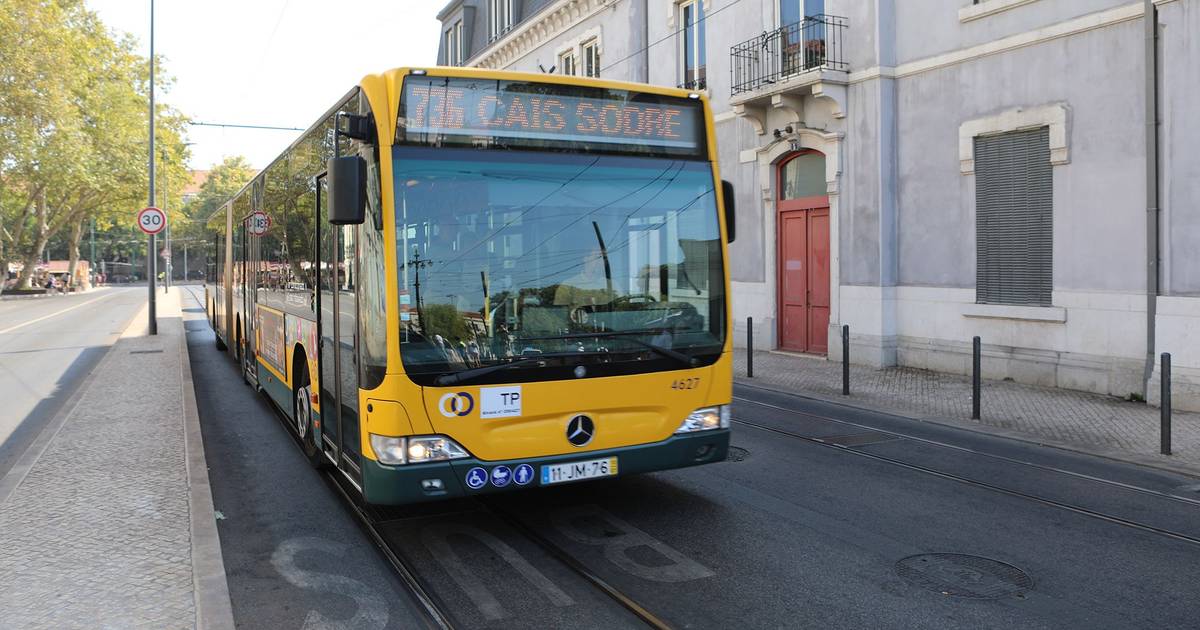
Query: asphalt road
[
  {"x": 47, "y": 347},
  {"x": 294, "y": 555},
  {"x": 824, "y": 517}
]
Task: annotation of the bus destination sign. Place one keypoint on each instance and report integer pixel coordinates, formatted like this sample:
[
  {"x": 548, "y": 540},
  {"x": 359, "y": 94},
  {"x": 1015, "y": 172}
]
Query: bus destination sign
[{"x": 472, "y": 112}]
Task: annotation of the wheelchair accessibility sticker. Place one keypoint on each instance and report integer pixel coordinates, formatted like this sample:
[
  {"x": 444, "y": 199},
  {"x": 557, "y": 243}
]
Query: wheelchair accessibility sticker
[{"x": 477, "y": 478}]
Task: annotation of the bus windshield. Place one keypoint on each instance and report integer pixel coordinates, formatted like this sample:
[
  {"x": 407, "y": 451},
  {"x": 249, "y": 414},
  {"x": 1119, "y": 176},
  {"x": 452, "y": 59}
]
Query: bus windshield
[{"x": 564, "y": 265}]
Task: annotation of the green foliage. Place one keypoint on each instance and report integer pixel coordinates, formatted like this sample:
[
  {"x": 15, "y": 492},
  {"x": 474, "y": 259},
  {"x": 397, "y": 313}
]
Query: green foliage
[
  {"x": 444, "y": 320},
  {"x": 74, "y": 101},
  {"x": 223, "y": 181}
]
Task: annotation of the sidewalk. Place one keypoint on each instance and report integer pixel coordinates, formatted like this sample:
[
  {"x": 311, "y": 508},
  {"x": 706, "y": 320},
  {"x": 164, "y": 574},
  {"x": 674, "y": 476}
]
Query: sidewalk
[
  {"x": 107, "y": 519},
  {"x": 1089, "y": 423}
]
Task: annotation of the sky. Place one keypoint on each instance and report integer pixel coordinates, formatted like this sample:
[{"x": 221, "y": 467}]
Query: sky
[{"x": 270, "y": 62}]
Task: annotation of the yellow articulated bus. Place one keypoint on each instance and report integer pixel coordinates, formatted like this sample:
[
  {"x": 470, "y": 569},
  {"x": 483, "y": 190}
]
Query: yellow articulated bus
[{"x": 462, "y": 281}]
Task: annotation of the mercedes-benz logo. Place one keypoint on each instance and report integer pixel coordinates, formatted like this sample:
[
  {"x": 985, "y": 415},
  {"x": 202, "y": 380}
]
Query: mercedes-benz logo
[{"x": 580, "y": 430}]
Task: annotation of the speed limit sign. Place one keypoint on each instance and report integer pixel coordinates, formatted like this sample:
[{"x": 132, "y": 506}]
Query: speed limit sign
[
  {"x": 152, "y": 220},
  {"x": 258, "y": 223}
]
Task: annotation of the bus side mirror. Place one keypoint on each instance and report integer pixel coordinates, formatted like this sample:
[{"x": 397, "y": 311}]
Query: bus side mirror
[
  {"x": 727, "y": 198},
  {"x": 347, "y": 182}
]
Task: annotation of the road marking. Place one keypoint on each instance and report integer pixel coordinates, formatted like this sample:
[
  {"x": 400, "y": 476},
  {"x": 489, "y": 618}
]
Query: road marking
[
  {"x": 372, "y": 608},
  {"x": 578, "y": 523},
  {"x": 54, "y": 314},
  {"x": 436, "y": 538}
]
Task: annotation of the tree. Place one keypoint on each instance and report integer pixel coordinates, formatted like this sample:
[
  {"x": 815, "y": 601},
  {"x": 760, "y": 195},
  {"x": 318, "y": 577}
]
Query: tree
[{"x": 73, "y": 118}]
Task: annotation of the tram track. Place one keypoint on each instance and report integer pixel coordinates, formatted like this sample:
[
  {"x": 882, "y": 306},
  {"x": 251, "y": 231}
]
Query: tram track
[
  {"x": 963, "y": 449},
  {"x": 1110, "y": 518}
]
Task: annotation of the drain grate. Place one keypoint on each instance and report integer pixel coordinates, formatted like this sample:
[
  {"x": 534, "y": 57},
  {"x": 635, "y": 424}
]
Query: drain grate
[
  {"x": 145, "y": 352},
  {"x": 737, "y": 454},
  {"x": 961, "y": 575},
  {"x": 860, "y": 439}
]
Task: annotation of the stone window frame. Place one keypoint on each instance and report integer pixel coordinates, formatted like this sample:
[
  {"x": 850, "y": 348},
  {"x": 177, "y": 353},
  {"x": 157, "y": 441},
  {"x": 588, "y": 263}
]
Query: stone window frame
[
  {"x": 675, "y": 8},
  {"x": 575, "y": 46},
  {"x": 1056, "y": 116},
  {"x": 984, "y": 8}
]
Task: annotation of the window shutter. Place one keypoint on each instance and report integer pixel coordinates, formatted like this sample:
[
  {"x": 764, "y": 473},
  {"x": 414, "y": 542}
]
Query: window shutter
[{"x": 1014, "y": 231}]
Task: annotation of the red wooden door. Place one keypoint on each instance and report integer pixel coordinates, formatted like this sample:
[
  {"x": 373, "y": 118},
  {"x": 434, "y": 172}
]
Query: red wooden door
[
  {"x": 803, "y": 253},
  {"x": 793, "y": 281},
  {"x": 818, "y": 280}
]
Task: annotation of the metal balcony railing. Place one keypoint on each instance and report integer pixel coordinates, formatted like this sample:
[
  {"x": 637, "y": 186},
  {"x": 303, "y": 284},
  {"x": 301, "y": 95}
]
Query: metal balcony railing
[{"x": 814, "y": 43}]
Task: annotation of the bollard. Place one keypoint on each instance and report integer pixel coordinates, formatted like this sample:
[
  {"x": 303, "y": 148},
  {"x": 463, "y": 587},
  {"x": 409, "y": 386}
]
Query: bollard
[
  {"x": 1165, "y": 409},
  {"x": 845, "y": 359},
  {"x": 976, "y": 368},
  {"x": 749, "y": 347}
]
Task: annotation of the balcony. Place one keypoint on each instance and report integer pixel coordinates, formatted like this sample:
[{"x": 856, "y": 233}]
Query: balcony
[{"x": 790, "y": 62}]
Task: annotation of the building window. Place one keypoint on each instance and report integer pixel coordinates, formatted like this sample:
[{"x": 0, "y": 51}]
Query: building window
[
  {"x": 591, "y": 58},
  {"x": 500, "y": 18},
  {"x": 454, "y": 45},
  {"x": 1014, "y": 218},
  {"x": 566, "y": 62},
  {"x": 792, "y": 11},
  {"x": 691, "y": 45}
]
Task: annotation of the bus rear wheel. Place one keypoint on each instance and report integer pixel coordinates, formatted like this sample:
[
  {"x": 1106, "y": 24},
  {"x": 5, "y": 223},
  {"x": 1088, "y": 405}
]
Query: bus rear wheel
[{"x": 302, "y": 416}]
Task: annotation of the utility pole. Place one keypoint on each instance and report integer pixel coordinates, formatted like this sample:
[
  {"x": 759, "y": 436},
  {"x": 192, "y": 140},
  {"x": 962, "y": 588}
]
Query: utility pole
[
  {"x": 167, "y": 241},
  {"x": 92, "y": 260},
  {"x": 150, "y": 266}
]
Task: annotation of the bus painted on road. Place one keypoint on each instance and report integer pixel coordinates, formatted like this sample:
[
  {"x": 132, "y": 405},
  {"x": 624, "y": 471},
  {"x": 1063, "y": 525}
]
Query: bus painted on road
[{"x": 461, "y": 281}]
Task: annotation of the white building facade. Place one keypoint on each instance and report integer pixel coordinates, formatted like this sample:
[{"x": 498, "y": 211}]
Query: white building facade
[{"x": 927, "y": 171}]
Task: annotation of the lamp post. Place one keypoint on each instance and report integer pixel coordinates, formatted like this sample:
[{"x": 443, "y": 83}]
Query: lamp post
[{"x": 152, "y": 254}]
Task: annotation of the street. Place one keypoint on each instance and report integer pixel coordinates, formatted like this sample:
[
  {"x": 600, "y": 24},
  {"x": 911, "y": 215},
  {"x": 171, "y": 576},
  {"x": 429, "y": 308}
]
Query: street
[
  {"x": 47, "y": 347},
  {"x": 824, "y": 516}
]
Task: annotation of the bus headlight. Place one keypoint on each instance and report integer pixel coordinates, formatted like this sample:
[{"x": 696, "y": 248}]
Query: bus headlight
[
  {"x": 415, "y": 450},
  {"x": 705, "y": 419},
  {"x": 388, "y": 450},
  {"x": 433, "y": 448}
]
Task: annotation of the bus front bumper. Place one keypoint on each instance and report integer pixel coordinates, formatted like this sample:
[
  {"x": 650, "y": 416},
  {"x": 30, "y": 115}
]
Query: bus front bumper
[{"x": 414, "y": 483}]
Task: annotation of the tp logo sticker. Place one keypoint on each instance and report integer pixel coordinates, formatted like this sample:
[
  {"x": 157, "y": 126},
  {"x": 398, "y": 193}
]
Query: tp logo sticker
[
  {"x": 456, "y": 404},
  {"x": 500, "y": 402}
]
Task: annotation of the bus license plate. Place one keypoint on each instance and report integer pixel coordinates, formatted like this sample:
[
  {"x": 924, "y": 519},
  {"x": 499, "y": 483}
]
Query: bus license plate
[{"x": 575, "y": 471}]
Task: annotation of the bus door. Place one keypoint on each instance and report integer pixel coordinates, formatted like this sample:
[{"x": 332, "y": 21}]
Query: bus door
[
  {"x": 250, "y": 296},
  {"x": 337, "y": 320}
]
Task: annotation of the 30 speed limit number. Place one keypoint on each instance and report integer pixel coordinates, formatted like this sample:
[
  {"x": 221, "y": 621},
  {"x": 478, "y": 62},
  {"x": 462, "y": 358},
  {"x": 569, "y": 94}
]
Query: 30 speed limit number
[{"x": 152, "y": 220}]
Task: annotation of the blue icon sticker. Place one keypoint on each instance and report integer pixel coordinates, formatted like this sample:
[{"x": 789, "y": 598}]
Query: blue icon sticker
[
  {"x": 477, "y": 478},
  {"x": 523, "y": 474},
  {"x": 501, "y": 475}
]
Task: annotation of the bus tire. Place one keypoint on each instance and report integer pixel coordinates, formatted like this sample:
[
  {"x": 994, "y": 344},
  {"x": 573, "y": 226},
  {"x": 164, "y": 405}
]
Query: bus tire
[
  {"x": 303, "y": 422},
  {"x": 220, "y": 342}
]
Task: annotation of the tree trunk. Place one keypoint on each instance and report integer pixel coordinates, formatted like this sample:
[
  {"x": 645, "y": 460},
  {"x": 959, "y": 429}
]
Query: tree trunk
[
  {"x": 39, "y": 242},
  {"x": 73, "y": 250}
]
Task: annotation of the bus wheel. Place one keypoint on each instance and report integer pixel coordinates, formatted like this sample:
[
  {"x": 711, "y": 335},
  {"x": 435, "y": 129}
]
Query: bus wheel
[
  {"x": 220, "y": 342},
  {"x": 303, "y": 417}
]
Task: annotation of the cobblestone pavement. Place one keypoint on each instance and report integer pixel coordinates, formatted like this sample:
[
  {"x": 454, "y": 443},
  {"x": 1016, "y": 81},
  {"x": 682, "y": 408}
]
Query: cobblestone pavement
[
  {"x": 1102, "y": 425},
  {"x": 97, "y": 534}
]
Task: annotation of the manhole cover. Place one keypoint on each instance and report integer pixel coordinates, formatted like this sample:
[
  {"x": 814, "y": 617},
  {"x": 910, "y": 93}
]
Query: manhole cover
[
  {"x": 961, "y": 575},
  {"x": 737, "y": 454}
]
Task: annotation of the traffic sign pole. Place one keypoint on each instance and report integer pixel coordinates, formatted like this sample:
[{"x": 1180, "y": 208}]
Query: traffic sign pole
[{"x": 151, "y": 250}]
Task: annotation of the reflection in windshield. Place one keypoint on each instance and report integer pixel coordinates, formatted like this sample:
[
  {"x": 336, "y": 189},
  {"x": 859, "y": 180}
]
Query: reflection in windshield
[{"x": 510, "y": 255}]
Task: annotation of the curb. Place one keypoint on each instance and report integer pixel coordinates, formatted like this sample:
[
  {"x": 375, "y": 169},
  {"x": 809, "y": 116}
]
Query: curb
[
  {"x": 214, "y": 609},
  {"x": 1122, "y": 457}
]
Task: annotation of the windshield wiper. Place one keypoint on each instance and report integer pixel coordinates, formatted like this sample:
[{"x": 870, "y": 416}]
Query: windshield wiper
[
  {"x": 682, "y": 358},
  {"x": 466, "y": 375}
]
